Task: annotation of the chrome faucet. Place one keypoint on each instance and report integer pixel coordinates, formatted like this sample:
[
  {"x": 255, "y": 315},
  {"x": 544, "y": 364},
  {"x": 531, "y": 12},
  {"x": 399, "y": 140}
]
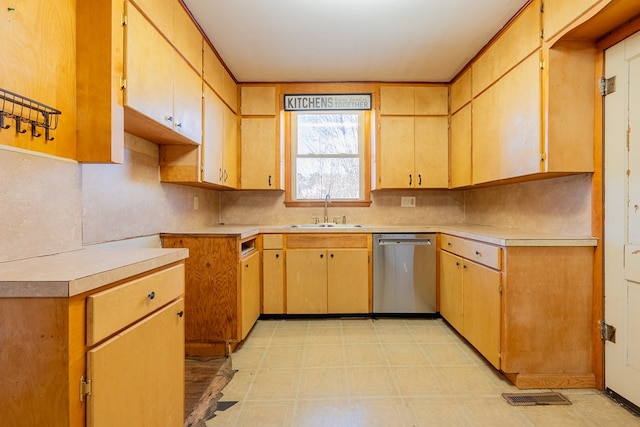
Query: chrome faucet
[{"x": 327, "y": 200}]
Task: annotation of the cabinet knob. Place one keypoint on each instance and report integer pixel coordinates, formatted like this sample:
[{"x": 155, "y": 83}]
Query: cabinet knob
[
  {"x": 449, "y": 244},
  {"x": 179, "y": 125},
  {"x": 151, "y": 295},
  {"x": 321, "y": 255},
  {"x": 169, "y": 118},
  {"x": 457, "y": 264},
  {"x": 246, "y": 265},
  {"x": 180, "y": 313},
  {"x": 331, "y": 255},
  {"x": 277, "y": 255},
  {"x": 478, "y": 253}
]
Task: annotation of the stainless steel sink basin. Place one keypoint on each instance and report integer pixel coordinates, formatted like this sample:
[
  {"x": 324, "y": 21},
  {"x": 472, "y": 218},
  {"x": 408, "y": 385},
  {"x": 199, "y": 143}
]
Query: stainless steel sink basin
[{"x": 326, "y": 225}]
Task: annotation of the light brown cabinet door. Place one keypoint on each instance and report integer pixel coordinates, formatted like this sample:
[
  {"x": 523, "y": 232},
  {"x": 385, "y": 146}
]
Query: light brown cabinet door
[
  {"x": 273, "y": 281},
  {"x": 187, "y": 101},
  {"x": 249, "y": 292},
  {"x": 451, "y": 303},
  {"x": 560, "y": 13},
  {"x": 507, "y": 125},
  {"x": 348, "y": 281},
  {"x": 397, "y": 152},
  {"x": 460, "y": 147},
  {"x": 187, "y": 37},
  {"x": 230, "y": 150},
  {"x": 138, "y": 376},
  {"x": 306, "y": 281},
  {"x": 258, "y": 153},
  {"x": 149, "y": 68},
  {"x": 397, "y": 100},
  {"x": 482, "y": 310},
  {"x": 258, "y": 100},
  {"x": 213, "y": 138},
  {"x": 431, "y": 152},
  {"x": 160, "y": 12}
]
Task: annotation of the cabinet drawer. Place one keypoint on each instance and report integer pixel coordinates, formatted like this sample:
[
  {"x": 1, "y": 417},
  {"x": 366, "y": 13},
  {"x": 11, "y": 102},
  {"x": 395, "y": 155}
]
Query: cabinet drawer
[
  {"x": 113, "y": 309},
  {"x": 482, "y": 253},
  {"x": 328, "y": 241},
  {"x": 272, "y": 241}
]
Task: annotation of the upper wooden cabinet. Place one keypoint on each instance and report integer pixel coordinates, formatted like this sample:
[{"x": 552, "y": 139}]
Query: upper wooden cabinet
[
  {"x": 517, "y": 42},
  {"x": 558, "y": 14},
  {"x": 413, "y": 142},
  {"x": 139, "y": 71},
  {"x": 217, "y": 76},
  {"x": 259, "y": 139},
  {"x": 414, "y": 100},
  {"x": 461, "y": 91},
  {"x": 460, "y": 147}
]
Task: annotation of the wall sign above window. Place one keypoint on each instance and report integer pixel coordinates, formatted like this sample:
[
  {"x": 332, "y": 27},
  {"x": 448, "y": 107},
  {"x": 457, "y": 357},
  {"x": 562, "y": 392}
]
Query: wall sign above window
[{"x": 327, "y": 102}]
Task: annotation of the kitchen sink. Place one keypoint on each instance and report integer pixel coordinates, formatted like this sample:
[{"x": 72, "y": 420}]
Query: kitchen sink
[{"x": 326, "y": 225}]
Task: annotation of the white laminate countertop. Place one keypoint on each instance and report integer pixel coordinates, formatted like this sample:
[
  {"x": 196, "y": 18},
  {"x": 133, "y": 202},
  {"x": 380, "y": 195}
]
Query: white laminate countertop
[
  {"x": 71, "y": 273},
  {"x": 495, "y": 235}
]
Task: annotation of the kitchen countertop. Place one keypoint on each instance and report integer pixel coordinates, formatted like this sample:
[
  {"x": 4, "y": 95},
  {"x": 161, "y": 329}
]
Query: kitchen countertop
[
  {"x": 495, "y": 235},
  {"x": 71, "y": 273}
]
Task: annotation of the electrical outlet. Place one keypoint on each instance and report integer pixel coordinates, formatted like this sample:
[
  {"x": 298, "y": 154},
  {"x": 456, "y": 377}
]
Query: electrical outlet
[
  {"x": 408, "y": 202},
  {"x": 195, "y": 202}
]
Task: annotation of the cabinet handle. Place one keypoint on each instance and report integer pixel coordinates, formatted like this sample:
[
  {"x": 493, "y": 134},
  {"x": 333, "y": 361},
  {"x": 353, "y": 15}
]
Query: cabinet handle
[
  {"x": 269, "y": 180},
  {"x": 179, "y": 125},
  {"x": 410, "y": 179},
  {"x": 419, "y": 179},
  {"x": 168, "y": 118},
  {"x": 151, "y": 295},
  {"x": 180, "y": 313},
  {"x": 226, "y": 175},
  {"x": 220, "y": 174}
]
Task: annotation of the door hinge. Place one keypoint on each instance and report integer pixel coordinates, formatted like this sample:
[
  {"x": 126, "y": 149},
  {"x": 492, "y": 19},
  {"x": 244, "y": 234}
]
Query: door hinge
[
  {"x": 607, "y": 86},
  {"x": 85, "y": 388},
  {"x": 607, "y": 332},
  {"x": 500, "y": 289},
  {"x": 123, "y": 83},
  {"x": 543, "y": 157},
  {"x": 123, "y": 19}
]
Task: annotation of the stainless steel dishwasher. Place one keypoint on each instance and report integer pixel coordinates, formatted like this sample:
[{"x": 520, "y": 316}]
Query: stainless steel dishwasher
[{"x": 404, "y": 273}]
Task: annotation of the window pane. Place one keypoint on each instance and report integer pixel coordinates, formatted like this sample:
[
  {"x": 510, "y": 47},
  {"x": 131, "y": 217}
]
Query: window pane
[
  {"x": 317, "y": 176},
  {"x": 321, "y": 134}
]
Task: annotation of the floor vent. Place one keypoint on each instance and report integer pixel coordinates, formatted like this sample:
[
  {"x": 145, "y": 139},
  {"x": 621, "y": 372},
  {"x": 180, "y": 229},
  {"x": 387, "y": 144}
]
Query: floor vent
[{"x": 532, "y": 399}]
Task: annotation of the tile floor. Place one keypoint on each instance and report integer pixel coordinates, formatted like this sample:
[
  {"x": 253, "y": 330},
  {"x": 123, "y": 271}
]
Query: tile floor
[{"x": 386, "y": 372}]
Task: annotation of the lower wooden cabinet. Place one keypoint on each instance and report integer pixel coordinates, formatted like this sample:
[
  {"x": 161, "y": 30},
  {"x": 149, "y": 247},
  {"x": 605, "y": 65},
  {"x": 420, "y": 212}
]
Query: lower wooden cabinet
[
  {"x": 328, "y": 273},
  {"x": 526, "y": 309},
  {"x": 222, "y": 290},
  {"x": 128, "y": 371},
  {"x": 273, "y": 298}
]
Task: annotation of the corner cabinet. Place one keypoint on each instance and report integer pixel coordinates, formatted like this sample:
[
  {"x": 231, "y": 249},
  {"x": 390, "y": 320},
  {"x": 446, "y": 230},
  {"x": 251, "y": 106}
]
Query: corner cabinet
[
  {"x": 328, "y": 274},
  {"x": 222, "y": 290},
  {"x": 526, "y": 309},
  {"x": 113, "y": 356},
  {"x": 413, "y": 143}
]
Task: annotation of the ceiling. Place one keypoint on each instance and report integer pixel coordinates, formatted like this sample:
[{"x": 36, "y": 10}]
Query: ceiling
[{"x": 349, "y": 40}]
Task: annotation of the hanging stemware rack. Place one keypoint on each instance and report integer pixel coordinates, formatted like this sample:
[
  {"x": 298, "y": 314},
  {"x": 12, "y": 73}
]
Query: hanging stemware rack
[{"x": 27, "y": 111}]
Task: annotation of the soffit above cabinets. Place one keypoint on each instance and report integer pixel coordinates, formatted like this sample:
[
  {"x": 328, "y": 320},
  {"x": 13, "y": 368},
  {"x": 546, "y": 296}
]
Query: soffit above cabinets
[{"x": 350, "y": 40}]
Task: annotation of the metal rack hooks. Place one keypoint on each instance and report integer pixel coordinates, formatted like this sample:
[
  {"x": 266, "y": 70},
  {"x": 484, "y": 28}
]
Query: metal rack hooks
[{"x": 24, "y": 110}]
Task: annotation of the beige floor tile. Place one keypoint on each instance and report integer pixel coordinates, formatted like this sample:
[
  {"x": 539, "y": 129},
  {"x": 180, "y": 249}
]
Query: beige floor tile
[
  {"x": 274, "y": 384},
  {"x": 325, "y": 323},
  {"x": 600, "y": 410},
  {"x": 247, "y": 357},
  {"x": 226, "y": 418},
  {"x": 435, "y": 411},
  {"x": 378, "y": 412},
  {"x": 289, "y": 336},
  {"x": 446, "y": 354},
  {"x": 322, "y": 413},
  {"x": 419, "y": 381},
  {"x": 364, "y": 355},
  {"x": 491, "y": 411},
  {"x": 238, "y": 387},
  {"x": 394, "y": 334},
  {"x": 555, "y": 416},
  {"x": 283, "y": 357},
  {"x": 328, "y": 335},
  {"x": 323, "y": 383},
  {"x": 465, "y": 380},
  {"x": 290, "y": 324},
  {"x": 377, "y": 381},
  {"x": 433, "y": 335},
  {"x": 404, "y": 354},
  {"x": 324, "y": 356},
  {"x": 266, "y": 414},
  {"x": 359, "y": 335}
]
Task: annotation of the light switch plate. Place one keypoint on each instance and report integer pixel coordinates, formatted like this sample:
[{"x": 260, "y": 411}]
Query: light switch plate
[{"x": 408, "y": 202}]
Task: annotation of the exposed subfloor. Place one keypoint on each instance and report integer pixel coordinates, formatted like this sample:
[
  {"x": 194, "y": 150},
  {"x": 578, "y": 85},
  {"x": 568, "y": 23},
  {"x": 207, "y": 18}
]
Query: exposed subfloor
[
  {"x": 386, "y": 372},
  {"x": 205, "y": 377}
]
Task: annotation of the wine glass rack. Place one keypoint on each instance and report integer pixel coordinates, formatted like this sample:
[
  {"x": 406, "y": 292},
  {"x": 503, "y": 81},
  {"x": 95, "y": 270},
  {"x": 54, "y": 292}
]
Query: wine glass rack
[{"x": 25, "y": 111}]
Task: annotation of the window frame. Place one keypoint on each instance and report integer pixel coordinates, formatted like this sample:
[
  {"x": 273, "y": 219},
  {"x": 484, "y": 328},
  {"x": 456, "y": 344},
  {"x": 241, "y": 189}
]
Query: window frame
[{"x": 364, "y": 128}]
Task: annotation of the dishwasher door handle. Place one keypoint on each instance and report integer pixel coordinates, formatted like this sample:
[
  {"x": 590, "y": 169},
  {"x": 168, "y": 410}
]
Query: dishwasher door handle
[{"x": 409, "y": 242}]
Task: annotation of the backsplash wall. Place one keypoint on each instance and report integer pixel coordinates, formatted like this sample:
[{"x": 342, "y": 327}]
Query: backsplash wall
[{"x": 50, "y": 205}]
